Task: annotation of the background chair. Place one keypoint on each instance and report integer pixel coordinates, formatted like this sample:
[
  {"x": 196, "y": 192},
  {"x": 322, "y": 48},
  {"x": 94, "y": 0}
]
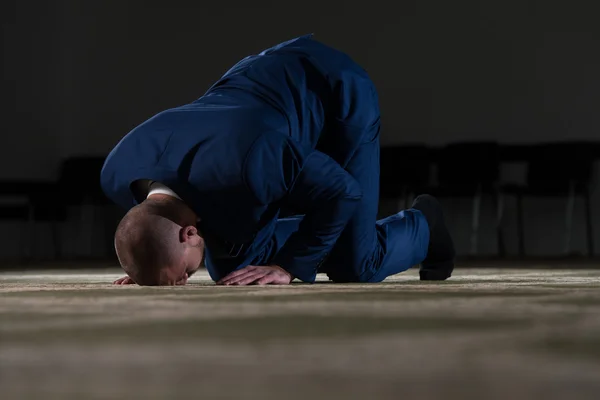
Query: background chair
[
  {"x": 558, "y": 170},
  {"x": 79, "y": 185},
  {"x": 472, "y": 170},
  {"x": 29, "y": 202}
]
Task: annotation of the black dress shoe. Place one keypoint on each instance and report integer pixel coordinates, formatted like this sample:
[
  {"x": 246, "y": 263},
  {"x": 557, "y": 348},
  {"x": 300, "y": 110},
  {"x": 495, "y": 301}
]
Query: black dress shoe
[{"x": 439, "y": 263}]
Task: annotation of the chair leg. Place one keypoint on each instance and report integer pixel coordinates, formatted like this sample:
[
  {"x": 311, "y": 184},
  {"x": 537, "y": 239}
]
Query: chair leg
[
  {"x": 86, "y": 229},
  {"x": 570, "y": 206},
  {"x": 475, "y": 221},
  {"x": 109, "y": 230},
  {"x": 588, "y": 224},
  {"x": 30, "y": 233},
  {"x": 56, "y": 239},
  {"x": 520, "y": 226},
  {"x": 501, "y": 247}
]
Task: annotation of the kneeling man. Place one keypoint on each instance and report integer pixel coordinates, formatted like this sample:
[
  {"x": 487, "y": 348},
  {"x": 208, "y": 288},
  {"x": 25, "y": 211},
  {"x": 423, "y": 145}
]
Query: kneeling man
[{"x": 295, "y": 127}]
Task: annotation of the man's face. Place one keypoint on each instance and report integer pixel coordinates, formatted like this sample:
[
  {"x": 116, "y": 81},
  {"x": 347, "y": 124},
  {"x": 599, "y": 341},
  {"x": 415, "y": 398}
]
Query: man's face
[
  {"x": 189, "y": 263},
  {"x": 193, "y": 259}
]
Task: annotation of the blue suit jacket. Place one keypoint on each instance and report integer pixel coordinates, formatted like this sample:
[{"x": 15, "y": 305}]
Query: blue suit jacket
[{"x": 249, "y": 146}]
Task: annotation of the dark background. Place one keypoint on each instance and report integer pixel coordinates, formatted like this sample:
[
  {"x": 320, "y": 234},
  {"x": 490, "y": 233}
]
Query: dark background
[{"x": 78, "y": 75}]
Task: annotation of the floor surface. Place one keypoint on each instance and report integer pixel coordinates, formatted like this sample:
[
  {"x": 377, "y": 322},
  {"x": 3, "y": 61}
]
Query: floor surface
[{"x": 485, "y": 334}]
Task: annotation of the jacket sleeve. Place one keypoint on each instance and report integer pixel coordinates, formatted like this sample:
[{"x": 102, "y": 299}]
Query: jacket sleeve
[{"x": 277, "y": 170}]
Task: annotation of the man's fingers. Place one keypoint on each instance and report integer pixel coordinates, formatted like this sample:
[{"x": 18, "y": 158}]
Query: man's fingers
[
  {"x": 249, "y": 279},
  {"x": 228, "y": 280},
  {"x": 235, "y": 274},
  {"x": 265, "y": 280},
  {"x": 240, "y": 278},
  {"x": 124, "y": 281},
  {"x": 231, "y": 279}
]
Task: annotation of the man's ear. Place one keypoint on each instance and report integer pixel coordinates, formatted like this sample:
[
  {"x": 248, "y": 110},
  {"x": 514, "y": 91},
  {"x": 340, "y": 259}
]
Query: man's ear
[{"x": 189, "y": 234}]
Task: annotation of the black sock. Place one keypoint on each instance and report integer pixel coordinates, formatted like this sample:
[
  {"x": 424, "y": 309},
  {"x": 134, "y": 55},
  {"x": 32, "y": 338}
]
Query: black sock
[{"x": 439, "y": 262}]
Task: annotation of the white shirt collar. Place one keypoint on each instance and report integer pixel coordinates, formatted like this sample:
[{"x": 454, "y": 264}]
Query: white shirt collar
[{"x": 159, "y": 188}]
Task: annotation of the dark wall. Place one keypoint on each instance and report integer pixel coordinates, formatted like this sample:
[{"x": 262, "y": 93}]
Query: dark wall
[
  {"x": 29, "y": 92},
  {"x": 78, "y": 75}
]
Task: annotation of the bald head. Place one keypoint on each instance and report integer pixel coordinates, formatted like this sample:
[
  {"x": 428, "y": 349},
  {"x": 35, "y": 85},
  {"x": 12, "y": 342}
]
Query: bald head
[{"x": 157, "y": 243}]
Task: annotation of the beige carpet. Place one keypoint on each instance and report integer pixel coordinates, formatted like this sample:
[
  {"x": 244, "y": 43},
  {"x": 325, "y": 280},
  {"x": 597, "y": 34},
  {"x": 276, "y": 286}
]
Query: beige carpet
[{"x": 484, "y": 334}]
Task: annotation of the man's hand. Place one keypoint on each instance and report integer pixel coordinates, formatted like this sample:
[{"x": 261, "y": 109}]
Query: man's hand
[
  {"x": 124, "y": 281},
  {"x": 128, "y": 281},
  {"x": 258, "y": 275}
]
